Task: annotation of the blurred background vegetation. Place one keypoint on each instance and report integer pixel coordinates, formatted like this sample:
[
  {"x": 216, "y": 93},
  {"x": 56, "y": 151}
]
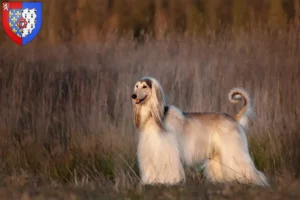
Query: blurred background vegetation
[
  {"x": 65, "y": 106},
  {"x": 82, "y": 20}
]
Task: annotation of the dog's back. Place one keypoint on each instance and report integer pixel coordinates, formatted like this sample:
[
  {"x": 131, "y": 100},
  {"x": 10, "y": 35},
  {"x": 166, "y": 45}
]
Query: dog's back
[
  {"x": 217, "y": 141},
  {"x": 195, "y": 130}
]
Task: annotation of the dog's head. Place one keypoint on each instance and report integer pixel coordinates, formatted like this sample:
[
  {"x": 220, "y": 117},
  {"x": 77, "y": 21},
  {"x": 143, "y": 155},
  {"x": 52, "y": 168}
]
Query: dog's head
[
  {"x": 142, "y": 91},
  {"x": 149, "y": 93}
]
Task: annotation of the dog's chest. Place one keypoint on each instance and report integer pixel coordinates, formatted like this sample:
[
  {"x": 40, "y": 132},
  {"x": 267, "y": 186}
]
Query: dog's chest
[{"x": 154, "y": 144}]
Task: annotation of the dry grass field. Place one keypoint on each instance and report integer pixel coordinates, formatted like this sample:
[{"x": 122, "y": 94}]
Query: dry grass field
[
  {"x": 66, "y": 115},
  {"x": 66, "y": 121}
]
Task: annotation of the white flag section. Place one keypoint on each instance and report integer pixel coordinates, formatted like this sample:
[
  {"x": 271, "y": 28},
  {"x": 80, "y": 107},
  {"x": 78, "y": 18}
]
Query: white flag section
[{"x": 30, "y": 16}]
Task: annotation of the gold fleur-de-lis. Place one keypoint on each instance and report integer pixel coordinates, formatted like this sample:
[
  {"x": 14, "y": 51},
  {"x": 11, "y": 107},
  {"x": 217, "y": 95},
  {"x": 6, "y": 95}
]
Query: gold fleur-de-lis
[
  {"x": 10, "y": 24},
  {"x": 18, "y": 13},
  {"x": 10, "y": 13},
  {"x": 14, "y": 19},
  {"x": 14, "y": 30}
]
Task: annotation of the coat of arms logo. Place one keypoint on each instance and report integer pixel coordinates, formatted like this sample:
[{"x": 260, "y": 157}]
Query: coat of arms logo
[{"x": 22, "y": 21}]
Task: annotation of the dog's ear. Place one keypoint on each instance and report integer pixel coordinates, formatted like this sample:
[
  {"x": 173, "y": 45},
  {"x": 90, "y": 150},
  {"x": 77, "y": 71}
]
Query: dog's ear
[
  {"x": 137, "y": 117},
  {"x": 157, "y": 103}
]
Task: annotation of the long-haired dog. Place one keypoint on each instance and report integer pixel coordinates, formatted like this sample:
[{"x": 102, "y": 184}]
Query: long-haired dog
[
  {"x": 168, "y": 137},
  {"x": 158, "y": 148}
]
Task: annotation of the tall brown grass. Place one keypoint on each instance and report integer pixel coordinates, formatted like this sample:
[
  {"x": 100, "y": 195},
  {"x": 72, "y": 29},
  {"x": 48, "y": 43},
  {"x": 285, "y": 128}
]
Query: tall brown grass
[
  {"x": 66, "y": 116},
  {"x": 82, "y": 20}
]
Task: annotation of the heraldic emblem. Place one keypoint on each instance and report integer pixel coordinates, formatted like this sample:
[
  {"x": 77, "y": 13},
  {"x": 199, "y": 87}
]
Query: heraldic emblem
[{"x": 22, "y": 21}]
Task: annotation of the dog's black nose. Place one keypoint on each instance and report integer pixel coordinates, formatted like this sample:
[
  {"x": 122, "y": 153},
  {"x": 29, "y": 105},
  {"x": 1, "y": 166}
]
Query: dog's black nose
[{"x": 133, "y": 96}]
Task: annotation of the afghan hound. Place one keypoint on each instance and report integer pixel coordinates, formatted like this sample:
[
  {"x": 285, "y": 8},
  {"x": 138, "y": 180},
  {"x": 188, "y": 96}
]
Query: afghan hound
[{"x": 170, "y": 138}]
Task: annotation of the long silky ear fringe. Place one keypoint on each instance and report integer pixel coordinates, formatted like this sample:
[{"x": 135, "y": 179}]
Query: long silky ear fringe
[
  {"x": 157, "y": 104},
  {"x": 137, "y": 117}
]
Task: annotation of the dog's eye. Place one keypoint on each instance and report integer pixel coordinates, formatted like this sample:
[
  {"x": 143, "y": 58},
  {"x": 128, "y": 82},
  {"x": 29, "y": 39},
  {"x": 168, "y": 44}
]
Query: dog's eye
[
  {"x": 136, "y": 86},
  {"x": 144, "y": 86}
]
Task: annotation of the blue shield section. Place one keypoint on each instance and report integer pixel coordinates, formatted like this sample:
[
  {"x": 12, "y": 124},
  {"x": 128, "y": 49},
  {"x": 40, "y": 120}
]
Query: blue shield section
[
  {"x": 14, "y": 16},
  {"x": 38, "y": 24}
]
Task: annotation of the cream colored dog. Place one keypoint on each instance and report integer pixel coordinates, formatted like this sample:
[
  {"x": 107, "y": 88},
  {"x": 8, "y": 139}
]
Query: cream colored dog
[{"x": 169, "y": 137}]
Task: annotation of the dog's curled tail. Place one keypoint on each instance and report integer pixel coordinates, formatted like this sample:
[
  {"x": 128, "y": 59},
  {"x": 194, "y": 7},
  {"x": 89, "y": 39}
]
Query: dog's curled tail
[{"x": 247, "y": 112}]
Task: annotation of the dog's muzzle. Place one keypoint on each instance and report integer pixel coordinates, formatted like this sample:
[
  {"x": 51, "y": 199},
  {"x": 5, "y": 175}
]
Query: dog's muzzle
[{"x": 136, "y": 100}]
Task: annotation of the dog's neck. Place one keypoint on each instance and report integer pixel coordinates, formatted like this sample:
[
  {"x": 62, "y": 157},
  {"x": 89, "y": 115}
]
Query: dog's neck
[{"x": 142, "y": 116}]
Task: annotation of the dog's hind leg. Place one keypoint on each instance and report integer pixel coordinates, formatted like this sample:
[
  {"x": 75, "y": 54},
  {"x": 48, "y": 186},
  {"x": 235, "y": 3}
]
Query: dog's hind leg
[
  {"x": 212, "y": 165},
  {"x": 236, "y": 162}
]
